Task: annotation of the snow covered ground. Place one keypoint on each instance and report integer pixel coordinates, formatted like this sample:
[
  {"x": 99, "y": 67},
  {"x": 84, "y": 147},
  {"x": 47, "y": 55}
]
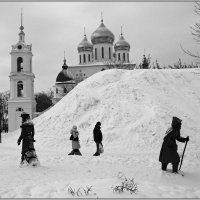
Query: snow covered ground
[{"x": 135, "y": 108}]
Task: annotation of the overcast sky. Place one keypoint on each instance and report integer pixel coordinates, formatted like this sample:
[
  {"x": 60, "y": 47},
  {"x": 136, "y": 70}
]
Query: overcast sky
[{"x": 54, "y": 27}]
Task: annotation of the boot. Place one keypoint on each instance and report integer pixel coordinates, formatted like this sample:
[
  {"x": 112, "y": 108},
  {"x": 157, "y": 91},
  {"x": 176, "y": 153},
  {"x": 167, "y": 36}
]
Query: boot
[
  {"x": 96, "y": 154},
  {"x": 175, "y": 167},
  {"x": 164, "y": 166}
]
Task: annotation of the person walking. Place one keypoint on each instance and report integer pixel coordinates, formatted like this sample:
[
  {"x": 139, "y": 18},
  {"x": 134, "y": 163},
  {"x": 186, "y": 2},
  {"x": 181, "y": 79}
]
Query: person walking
[
  {"x": 97, "y": 134},
  {"x": 168, "y": 152},
  {"x": 27, "y": 138},
  {"x": 75, "y": 141}
]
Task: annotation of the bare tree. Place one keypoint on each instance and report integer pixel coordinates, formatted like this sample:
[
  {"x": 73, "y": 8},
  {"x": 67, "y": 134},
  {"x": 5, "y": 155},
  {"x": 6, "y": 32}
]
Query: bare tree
[
  {"x": 196, "y": 35},
  {"x": 4, "y": 110}
]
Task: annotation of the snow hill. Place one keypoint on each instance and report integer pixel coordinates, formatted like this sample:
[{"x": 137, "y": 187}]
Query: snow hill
[{"x": 135, "y": 108}]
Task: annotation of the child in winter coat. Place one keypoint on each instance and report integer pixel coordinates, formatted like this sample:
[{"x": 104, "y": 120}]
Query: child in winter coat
[
  {"x": 75, "y": 141},
  {"x": 168, "y": 152}
]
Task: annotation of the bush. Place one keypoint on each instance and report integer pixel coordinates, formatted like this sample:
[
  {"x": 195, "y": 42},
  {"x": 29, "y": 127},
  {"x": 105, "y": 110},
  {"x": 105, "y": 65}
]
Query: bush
[
  {"x": 80, "y": 191},
  {"x": 126, "y": 184}
]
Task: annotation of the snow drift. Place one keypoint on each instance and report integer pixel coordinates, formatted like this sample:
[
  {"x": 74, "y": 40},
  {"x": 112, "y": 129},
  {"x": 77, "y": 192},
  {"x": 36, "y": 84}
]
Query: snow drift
[{"x": 135, "y": 108}]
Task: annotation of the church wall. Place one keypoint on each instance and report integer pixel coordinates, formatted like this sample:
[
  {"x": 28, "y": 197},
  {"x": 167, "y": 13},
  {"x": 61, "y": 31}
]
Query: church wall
[
  {"x": 86, "y": 57},
  {"x": 121, "y": 55},
  {"x": 14, "y": 119},
  {"x": 106, "y": 52},
  {"x": 85, "y": 70}
]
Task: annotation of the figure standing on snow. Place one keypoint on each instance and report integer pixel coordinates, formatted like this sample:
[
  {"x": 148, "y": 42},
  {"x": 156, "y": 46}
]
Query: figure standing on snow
[
  {"x": 97, "y": 137},
  {"x": 27, "y": 138},
  {"x": 168, "y": 152},
  {"x": 75, "y": 141}
]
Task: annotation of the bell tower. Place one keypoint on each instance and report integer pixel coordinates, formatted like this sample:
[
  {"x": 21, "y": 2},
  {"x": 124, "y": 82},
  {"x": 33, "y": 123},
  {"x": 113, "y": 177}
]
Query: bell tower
[{"x": 21, "y": 82}]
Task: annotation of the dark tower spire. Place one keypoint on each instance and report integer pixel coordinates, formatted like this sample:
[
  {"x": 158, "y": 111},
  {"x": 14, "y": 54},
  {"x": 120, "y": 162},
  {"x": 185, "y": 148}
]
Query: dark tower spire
[
  {"x": 101, "y": 17},
  {"x": 64, "y": 65},
  {"x": 21, "y": 34},
  {"x": 84, "y": 32}
]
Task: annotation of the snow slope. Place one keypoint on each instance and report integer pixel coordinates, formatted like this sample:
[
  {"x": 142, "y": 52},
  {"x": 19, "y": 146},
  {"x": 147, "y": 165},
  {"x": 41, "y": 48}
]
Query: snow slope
[{"x": 135, "y": 109}]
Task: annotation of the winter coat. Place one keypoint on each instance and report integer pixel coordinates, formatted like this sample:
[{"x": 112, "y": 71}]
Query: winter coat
[
  {"x": 75, "y": 140},
  {"x": 27, "y": 136},
  {"x": 168, "y": 152},
  {"x": 97, "y": 134}
]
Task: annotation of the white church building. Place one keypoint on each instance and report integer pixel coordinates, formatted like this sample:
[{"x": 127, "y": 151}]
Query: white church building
[
  {"x": 93, "y": 57},
  {"x": 21, "y": 82}
]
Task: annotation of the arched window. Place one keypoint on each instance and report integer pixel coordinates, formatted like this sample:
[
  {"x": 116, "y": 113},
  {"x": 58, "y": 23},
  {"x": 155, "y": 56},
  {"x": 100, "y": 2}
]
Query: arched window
[
  {"x": 64, "y": 90},
  {"x": 123, "y": 56},
  {"x": 20, "y": 109},
  {"x": 95, "y": 53},
  {"x": 84, "y": 58},
  {"x": 19, "y": 64},
  {"x": 109, "y": 53},
  {"x": 102, "y": 51},
  {"x": 119, "y": 57},
  {"x": 80, "y": 58},
  {"x": 128, "y": 57},
  {"x": 19, "y": 89},
  {"x": 89, "y": 57}
]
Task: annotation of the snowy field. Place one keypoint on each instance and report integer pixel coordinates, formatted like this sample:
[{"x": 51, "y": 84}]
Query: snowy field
[{"x": 135, "y": 109}]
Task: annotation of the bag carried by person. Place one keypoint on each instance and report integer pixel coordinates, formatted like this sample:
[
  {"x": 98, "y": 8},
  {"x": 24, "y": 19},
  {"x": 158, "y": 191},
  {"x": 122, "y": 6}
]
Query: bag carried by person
[{"x": 101, "y": 150}]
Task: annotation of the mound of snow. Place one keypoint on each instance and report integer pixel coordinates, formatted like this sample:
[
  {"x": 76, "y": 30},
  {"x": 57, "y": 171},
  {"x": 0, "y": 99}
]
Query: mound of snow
[{"x": 134, "y": 106}]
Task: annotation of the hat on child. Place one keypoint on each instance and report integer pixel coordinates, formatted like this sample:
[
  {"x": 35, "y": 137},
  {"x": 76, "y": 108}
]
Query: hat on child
[{"x": 74, "y": 127}]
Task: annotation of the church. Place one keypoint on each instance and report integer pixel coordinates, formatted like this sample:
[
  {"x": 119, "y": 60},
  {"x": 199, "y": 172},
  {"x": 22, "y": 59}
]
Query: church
[
  {"x": 21, "y": 82},
  {"x": 93, "y": 57}
]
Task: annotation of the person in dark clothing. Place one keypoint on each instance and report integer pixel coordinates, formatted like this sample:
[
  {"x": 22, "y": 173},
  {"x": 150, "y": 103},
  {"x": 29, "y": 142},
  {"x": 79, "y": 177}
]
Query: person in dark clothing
[
  {"x": 168, "y": 152},
  {"x": 97, "y": 137},
  {"x": 27, "y": 138}
]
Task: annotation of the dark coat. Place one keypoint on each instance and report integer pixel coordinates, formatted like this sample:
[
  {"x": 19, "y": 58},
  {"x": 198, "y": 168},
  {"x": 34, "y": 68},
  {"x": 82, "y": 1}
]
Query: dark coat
[
  {"x": 168, "y": 152},
  {"x": 27, "y": 136},
  {"x": 97, "y": 134}
]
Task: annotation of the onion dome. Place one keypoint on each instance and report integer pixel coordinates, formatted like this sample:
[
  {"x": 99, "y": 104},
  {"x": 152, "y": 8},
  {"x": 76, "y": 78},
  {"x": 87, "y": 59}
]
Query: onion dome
[
  {"x": 102, "y": 35},
  {"x": 65, "y": 75},
  {"x": 85, "y": 45},
  {"x": 122, "y": 44}
]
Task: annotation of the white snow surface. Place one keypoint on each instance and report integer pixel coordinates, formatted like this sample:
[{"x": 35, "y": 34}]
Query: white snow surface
[{"x": 135, "y": 108}]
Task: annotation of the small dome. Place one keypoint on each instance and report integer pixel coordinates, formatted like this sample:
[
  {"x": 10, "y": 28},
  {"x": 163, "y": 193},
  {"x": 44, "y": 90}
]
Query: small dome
[
  {"x": 65, "y": 75},
  {"x": 85, "y": 45},
  {"x": 122, "y": 44},
  {"x": 102, "y": 35}
]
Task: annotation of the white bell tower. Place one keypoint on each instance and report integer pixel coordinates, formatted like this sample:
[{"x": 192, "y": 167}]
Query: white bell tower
[{"x": 21, "y": 82}]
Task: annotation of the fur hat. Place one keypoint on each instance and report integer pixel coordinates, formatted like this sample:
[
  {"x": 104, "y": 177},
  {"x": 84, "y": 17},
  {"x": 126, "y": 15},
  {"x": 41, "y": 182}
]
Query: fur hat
[{"x": 24, "y": 114}]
